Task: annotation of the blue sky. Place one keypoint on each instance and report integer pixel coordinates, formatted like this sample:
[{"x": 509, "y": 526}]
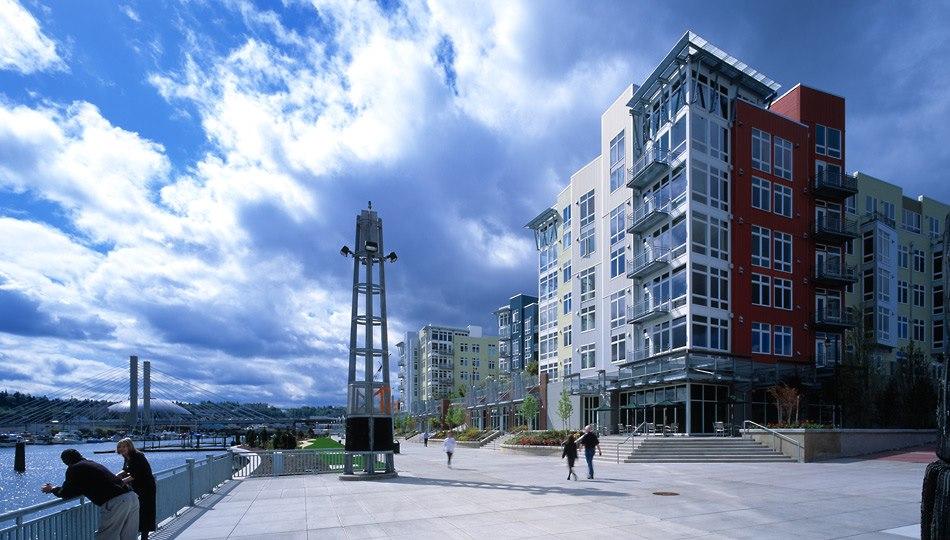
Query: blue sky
[{"x": 176, "y": 178}]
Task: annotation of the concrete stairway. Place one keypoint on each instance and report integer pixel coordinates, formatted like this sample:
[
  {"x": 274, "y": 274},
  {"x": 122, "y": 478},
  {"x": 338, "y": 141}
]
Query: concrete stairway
[
  {"x": 703, "y": 450},
  {"x": 612, "y": 446}
]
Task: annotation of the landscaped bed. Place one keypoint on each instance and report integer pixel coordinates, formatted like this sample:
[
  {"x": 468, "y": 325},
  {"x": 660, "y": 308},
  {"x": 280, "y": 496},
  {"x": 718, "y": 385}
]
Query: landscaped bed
[
  {"x": 551, "y": 437},
  {"x": 465, "y": 435}
]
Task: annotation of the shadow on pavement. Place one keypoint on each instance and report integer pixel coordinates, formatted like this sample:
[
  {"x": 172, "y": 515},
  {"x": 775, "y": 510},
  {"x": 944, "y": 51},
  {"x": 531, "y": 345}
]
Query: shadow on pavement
[{"x": 535, "y": 490}]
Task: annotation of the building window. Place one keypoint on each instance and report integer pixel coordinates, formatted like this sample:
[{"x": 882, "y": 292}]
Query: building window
[
  {"x": 761, "y": 338},
  {"x": 938, "y": 266},
  {"x": 761, "y": 241},
  {"x": 849, "y": 205},
  {"x": 783, "y": 340},
  {"x": 919, "y": 330},
  {"x": 566, "y": 272},
  {"x": 883, "y": 323},
  {"x": 588, "y": 318},
  {"x": 938, "y": 300},
  {"x": 618, "y": 261},
  {"x": 566, "y": 239},
  {"x": 617, "y": 158},
  {"x": 761, "y": 194},
  {"x": 889, "y": 211},
  {"x": 711, "y": 333},
  {"x": 710, "y": 236},
  {"x": 918, "y": 296},
  {"x": 901, "y": 327},
  {"x": 710, "y": 185},
  {"x": 566, "y": 215},
  {"x": 761, "y": 150},
  {"x": 588, "y": 356},
  {"x": 548, "y": 286},
  {"x": 937, "y": 335},
  {"x": 903, "y": 256},
  {"x": 870, "y": 205},
  {"x": 783, "y": 158},
  {"x": 884, "y": 286},
  {"x": 783, "y": 200},
  {"x": 902, "y": 290},
  {"x": 933, "y": 226},
  {"x": 827, "y": 141},
  {"x": 566, "y": 303},
  {"x": 618, "y": 348},
  {"x": 587, "y": 241},
  {"x": 919, "y": 264},
  {"x": 911, "y": 221},
  {"x": 783, "y": 293},
  {"x": 783, "y": 251},
  {"x": 587, "y": 208},
  {"x": 566, "y": 340},
  {"x": 617, "y": 225},
  {"x": 761, "y": 290},
  {"x": 618, "y": 309},
  {"x": 588, "y": 283},
  {"x": 710, "y": 286}
]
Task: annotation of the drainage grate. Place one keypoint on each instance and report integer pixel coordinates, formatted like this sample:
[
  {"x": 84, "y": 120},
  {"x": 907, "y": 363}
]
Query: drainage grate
[{"x": 665, "y": 493}]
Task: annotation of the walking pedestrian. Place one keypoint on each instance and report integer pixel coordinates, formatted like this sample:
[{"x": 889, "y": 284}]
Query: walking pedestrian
[
  {"x": 449, "y": 446},
  {"x": 118, "y": 505},
  {"x": 590, "y": 442},
  {"x": 425, "y": 438},
  {"x": 137, "y": 473},
  {"x": 570, "y": 452}
]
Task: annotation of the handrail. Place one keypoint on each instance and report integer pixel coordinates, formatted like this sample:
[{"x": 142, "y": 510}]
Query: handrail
[
  {"x": 632, "y": 434},
  {"x": 780, "y": 437}
]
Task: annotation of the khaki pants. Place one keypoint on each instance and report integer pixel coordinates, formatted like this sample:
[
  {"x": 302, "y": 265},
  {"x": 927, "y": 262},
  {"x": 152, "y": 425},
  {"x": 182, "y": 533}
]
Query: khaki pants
[{"x": 119, "y": 518}]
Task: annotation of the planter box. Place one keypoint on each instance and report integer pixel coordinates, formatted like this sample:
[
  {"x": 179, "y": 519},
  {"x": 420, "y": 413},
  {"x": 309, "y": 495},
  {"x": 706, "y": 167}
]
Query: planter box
[
  {"x": 822, "y": 444},
  {"x": 532, "y": 450}
]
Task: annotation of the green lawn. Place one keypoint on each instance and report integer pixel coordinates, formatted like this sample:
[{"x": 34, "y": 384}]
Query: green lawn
[{"x": 323, "y": 443}]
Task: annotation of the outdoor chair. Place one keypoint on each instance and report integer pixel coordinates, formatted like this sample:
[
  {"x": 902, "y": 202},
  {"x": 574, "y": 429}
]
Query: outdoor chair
[
  {"x": 650, "y": 428},
  {"x": 719, "y": 428},
  {"x": 621, "y": 429}
]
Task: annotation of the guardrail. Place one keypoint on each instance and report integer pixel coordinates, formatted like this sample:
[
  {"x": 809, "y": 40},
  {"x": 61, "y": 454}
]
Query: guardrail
[
  {"x": 776, "y": 436},
  {"x": 630, "y": 436}
]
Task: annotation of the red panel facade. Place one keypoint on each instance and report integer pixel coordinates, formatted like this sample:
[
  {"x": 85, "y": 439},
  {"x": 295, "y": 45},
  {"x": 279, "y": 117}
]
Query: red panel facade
[{"x": 745, "y": 216}]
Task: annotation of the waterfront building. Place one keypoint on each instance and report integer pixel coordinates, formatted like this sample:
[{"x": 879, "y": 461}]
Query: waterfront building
[
  {"x": 453, "y": 358},
  {"x": 517, "y": 333},
  {"x": 898, "y": 264},
  {"x": 409, "y": 382},
  {"x": 698, "y": 259}
]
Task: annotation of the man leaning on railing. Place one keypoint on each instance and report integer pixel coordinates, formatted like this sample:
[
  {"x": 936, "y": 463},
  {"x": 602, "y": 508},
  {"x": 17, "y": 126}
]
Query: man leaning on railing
[{"x": 118, "y": 504}]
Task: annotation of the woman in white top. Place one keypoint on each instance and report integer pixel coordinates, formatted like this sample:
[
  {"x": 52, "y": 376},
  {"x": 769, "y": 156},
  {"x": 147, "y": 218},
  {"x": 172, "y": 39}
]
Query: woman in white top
[{"x": 449, "y": 446}]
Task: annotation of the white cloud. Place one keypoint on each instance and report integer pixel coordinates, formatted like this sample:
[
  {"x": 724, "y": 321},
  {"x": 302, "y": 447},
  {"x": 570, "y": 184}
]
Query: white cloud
[
  {"x": 130, "y": 13},
  {"x": 23, "y": 46}
]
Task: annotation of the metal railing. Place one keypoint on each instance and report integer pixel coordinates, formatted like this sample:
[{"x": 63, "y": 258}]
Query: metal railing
[
  {"x": 776, "y": 436},
  {"x": 661, "y": 201},
  {"x": 629, "y": 437},
  {"x": 836, "y": 225},
  {"x": 834, "y": 179},
  {"x": 835, "y": 269},
  {"x": 647, "y": 307},
  {"x": 835, "y": 317},
  {"x": 176, "y": 489},
  {"x": 260, "y": 463}
]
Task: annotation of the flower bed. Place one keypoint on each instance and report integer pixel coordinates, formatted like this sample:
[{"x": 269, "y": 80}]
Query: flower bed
[
  {"x": 466, "y": 435},
  {"x": 551, "y": 437}
]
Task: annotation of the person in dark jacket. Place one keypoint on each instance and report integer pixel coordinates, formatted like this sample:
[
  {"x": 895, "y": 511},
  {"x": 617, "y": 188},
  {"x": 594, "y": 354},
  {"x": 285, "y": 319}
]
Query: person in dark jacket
[
  {"x": 590, "y": 442},
  {"x": 570, "y": 452},
  {"x": 138, "y": 473},
  {"x": 118, "y": 505}
]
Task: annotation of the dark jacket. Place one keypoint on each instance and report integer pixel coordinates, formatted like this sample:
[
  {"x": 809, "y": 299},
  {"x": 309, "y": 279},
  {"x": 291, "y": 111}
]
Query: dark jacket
[
  {"x": 589, "y": 440},
  {"x": 91, "y": 480},
  {"x": 143, "y": 482},
  {"x": 570, "y": 451}
]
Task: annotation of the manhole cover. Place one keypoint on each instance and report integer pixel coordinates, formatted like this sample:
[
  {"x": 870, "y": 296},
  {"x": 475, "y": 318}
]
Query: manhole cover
[{"x": 665, "y": 493}]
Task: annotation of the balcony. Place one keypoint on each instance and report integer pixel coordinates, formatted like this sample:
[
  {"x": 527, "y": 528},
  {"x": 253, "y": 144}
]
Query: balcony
[
  {"x": 834, "y": 319},
  {"x": 654, "y": 210},
  {"x": 834, "y": 272},
  {"x": 834, "y": 228},
  {"x": 648, "y": 261},
  {"x": 647, "y": 310},
  {"x": 651, "y": 165},
  {"x": 832, "y": 184}
]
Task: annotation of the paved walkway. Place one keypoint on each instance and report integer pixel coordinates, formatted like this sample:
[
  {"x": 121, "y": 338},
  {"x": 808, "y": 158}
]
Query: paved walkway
[{"x": 495, "y": 495}]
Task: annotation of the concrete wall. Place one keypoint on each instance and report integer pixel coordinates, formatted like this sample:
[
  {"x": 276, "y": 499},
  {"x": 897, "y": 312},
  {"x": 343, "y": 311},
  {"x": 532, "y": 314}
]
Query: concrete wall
[
  {"x": 822, "y": 444},
  {"x": 554, "y": 397}
]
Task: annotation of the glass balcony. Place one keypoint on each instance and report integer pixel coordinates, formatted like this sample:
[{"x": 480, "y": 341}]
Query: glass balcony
[
  {"x": 834, "y": 318},
  {"x": 835, "y": 228},
  {"x": 653, "y": 163},
  {"x": 648, "y": 261},
  {"x": 647, "y": 310},
  {"x": 833, "y": 271},
  {"x": 832, "y": 184},
  {"x": 654, "y": 210}
]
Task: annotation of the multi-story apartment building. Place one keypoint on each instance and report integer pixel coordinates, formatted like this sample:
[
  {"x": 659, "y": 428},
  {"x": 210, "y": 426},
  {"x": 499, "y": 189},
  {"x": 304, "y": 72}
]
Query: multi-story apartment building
[
  {"x": 704, "y": 246},
  {"x": 409, "y": 382},
  {"x": 453, "y": 358},
  {"x": 899, "y": 259},
  {"x": 517, "y": 333}
]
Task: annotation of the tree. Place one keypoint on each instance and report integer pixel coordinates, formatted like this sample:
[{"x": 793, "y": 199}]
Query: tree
[
  {"x": 529, "y": 408},
  {"x": 564, "y": 407},
  {"x": 454, "y": 417},
  {"x": 532, "y": 368},
  {"x": 250, "y": 438},
  {"x": 787, "y": 399}
]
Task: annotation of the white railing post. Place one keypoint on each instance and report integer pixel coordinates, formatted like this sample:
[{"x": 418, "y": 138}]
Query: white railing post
[
  {"x": 190, "y": 462},
  {"x": 211, "y": 475}
]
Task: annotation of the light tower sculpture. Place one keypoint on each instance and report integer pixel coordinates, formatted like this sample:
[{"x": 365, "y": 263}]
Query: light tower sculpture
[{"x": 369, "y": 421}]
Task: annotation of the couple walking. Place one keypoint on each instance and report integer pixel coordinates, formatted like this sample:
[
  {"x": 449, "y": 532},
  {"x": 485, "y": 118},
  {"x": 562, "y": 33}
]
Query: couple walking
[{"x": 590, "y": 442}]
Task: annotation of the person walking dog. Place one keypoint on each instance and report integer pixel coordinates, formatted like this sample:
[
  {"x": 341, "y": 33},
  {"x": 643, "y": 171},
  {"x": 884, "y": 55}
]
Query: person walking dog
[
  {"x": 449, "y": 446},
  {"x": 570, "y": 452},
  {"x": 590, "y": 442}
]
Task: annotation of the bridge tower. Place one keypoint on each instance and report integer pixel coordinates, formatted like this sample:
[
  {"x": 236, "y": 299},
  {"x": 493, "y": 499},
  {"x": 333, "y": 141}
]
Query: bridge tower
[
  {"x": 369, "y": 421},
  {"x": 133, "y": 392}
]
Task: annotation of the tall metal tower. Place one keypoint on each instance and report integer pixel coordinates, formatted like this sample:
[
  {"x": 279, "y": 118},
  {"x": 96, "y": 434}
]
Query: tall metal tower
[{"x": 369, "y": 421}]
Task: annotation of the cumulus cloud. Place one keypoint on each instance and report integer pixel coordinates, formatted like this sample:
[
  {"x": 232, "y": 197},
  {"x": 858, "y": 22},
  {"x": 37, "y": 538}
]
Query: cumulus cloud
[{"x": 23, "y": 46}]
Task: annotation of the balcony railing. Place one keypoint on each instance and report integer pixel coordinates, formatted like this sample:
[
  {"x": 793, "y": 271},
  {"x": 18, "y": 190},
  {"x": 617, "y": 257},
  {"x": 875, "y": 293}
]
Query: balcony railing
[
  {"x": 833, "y": 184},
  {"x": 504, "y": 332},
  {"x": 834, "y": 318},
  {"x": 648, "y": 261},
  {"x": 649, "y": 166},
  {"x": 833, "y": 271},
  {"x": 654, "y": 210},
  {"x": 647, "y": 310},
  {"x": 831, "y": 227}
]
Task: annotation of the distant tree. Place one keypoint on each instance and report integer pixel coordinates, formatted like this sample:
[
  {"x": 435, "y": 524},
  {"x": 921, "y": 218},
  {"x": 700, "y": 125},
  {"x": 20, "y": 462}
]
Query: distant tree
[
  {"x": 454, "y": 417},
  {"x": 532, "y": 368},
  {"x": 565, "y": 408},
  {"x": 250, "y": 438},
  {"x": 263, "y": 438},
  {"x": 529, "y": 409}
]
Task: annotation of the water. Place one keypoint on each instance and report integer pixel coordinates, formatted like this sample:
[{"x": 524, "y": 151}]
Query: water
[{"x": 43, "y": 465}]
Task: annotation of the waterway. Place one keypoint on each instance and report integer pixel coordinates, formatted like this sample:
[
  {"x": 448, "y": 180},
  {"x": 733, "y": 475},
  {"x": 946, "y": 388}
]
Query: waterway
[{"x": 43, "y": 465}]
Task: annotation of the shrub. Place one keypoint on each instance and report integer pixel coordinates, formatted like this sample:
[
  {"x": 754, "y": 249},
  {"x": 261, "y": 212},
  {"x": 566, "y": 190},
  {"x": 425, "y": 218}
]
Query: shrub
[
  {"x": 519, "y": 429},
  {"x": 551, "y": 437}
]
